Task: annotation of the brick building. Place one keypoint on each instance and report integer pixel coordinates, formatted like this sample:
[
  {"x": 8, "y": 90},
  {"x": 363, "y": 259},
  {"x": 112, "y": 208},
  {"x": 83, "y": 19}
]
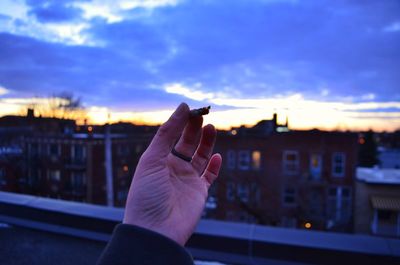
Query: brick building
[
  {"x": 292, "y": 179},
  {"x": 73, "y": 167}
]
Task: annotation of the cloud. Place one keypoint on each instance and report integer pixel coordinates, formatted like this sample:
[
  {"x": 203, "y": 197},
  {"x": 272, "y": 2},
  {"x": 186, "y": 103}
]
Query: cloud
[
  {"x": 3, "y": 91},
  {"x": 117, "y": 10},
  {"x": 394, "y": 27},
  {"x": 369, "y": 96},
  {"x": 55, "y": 12},
  {"x": 145, "y": 55},
  {"x": 188, "y": 93}
]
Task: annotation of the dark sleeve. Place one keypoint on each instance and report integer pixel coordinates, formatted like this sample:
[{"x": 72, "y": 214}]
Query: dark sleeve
[{"x": 133, "y": 245}]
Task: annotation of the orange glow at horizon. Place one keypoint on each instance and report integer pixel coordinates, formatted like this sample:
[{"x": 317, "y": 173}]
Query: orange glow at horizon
[{"x": 302, "y": 115}]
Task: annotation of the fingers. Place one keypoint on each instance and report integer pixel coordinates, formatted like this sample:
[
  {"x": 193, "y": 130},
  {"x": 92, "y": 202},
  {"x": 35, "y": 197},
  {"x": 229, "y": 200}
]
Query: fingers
[
  {"x": 204, "y": 150},
  {"x": 168, "y": 133},
  {"x": 212, "y": 170},
  {"x": 190, "y": 138}
]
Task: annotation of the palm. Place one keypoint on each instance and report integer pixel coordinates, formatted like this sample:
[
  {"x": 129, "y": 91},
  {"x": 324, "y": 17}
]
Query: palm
[{"x": 168, "y": 193}]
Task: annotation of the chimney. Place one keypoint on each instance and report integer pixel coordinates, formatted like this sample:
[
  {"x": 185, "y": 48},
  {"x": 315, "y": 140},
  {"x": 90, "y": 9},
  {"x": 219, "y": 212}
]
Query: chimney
[
  {"x": 30, "y": 113},
  {"x": 275, "y": 119}
]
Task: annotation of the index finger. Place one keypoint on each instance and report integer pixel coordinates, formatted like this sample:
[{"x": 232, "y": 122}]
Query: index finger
[{"x": 169, "y": 132}]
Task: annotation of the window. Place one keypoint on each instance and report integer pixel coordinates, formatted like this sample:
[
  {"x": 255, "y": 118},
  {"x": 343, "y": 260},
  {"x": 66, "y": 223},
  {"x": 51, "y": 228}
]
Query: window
[
  {"x": 255, "y": 193},
  {"x": 3, "y": 180},
  {"x": 122, "y": 195},
  {"x": 54, "y": 149},
  {"x": 290, "y": 162},
  {"x": 78, "y": 152},
  {"x": 231, "y": 159},
  {"x": 54, "y": 175},
  {"x": 243, "y": 192},
  {"x": 78, "y": 180},
  {"x": 123, "y": 150},
  {"x": 256, "y": 160},
  {"x": 315, "y": 166},
  {"x": 138, "y": 149},
  {"x": 289, "y": 222},
  {"x": 338, "y": 162},
  {"x": 230, "y": 191},
  {"x": 289, "y": 196},
  {"x": 244, "y": 160},
  {"x": 34, "y": 149},
  {"x": 339, "y": 204}
]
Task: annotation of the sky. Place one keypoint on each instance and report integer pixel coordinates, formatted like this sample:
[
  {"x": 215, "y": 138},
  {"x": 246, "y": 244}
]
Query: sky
[{"x": 323, "y": 64}]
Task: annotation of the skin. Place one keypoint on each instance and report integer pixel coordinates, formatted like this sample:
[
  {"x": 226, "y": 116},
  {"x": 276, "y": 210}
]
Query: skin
[{"x": 167, "y": 194}]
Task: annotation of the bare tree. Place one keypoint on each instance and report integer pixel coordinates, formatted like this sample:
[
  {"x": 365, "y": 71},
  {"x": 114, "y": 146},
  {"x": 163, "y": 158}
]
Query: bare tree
[{"x": 64, "y": 105}]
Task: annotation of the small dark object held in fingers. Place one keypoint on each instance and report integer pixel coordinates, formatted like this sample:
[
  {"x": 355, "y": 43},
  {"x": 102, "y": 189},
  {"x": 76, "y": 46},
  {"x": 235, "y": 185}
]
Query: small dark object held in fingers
[{"x": 200, "y": 111}]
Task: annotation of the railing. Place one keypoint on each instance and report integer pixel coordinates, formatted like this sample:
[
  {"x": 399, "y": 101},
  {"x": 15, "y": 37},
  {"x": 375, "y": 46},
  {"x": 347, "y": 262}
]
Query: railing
[{"x": 232, "y": 243}]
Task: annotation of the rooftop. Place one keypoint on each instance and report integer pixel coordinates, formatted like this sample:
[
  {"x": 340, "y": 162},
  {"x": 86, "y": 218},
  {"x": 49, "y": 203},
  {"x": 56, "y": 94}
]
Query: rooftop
[
  {"x": 48, "y": 231},
  {"x": 378, "y": 175}
]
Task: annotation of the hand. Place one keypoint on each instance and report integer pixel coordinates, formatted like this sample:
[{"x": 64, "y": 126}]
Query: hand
[{"x": 168, "y": 194}]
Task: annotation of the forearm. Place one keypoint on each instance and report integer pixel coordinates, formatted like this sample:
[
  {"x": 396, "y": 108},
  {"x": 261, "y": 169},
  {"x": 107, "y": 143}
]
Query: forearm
[{"x": 132, "y": 245}]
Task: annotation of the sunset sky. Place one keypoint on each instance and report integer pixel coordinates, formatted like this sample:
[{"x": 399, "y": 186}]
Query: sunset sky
[{"x": 323, "y": 64}]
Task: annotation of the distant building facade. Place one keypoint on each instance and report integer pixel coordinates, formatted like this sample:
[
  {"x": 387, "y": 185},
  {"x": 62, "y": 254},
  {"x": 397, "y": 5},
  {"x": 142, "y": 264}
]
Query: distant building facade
[
  {"x": 270, "y": 175},
  {"x": 55, "y": 158},
  {"x": 377, "y": 202},
  {"x": 74, "y": 167},
  {"x": 292, "y": 179}
]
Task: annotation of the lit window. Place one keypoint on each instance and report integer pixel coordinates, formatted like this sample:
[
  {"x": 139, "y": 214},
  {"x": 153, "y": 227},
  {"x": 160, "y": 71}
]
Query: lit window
[
  {"x": 244, "y": 160},
  {"x": 290, "y": 162},
  {"x": 289, "y": 196},
  {"x": 338, "y": 163},
  {"x": 230, "y": 191},
  {"x": 256, "y": 160},
  {"x": 315, "y": 166},
  {"x": 231, "y": 159}
]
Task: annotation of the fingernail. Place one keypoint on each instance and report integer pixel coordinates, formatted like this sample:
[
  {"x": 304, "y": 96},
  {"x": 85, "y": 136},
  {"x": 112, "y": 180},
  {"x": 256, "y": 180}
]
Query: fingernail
[{"x": 181, "y": 110}]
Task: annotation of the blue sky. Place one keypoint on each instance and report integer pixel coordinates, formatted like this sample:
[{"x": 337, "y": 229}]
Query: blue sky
[{"x": 338, "y": 58}]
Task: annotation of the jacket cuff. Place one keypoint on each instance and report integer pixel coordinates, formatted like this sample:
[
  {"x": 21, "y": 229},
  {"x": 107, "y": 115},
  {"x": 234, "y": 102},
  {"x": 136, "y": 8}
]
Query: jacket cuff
[{"x": 131, "y": 245}]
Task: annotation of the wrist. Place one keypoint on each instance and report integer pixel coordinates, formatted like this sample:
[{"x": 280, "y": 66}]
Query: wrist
[{"x": 170, "y": 233}]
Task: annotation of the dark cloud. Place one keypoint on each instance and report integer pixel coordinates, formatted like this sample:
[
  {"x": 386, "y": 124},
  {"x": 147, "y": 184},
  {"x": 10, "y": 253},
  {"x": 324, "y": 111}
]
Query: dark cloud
[{"x": 54, "y": 11}]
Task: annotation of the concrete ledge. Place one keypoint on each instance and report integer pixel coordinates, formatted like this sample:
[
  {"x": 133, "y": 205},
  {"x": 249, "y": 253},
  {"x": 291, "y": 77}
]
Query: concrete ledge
[{"x": 233, "y": 243}]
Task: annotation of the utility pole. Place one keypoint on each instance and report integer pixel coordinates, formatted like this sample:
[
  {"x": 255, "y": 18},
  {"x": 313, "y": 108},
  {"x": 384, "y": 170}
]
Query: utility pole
[{"x": 108, "y": 164}]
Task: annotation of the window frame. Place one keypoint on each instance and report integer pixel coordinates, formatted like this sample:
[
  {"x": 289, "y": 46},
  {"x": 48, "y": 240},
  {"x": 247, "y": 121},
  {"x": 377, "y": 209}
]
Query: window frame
[
  {"x": 231, "y": 159},
  {"x": 342, "y": 164},
  {"x": 285, "y": 195},
  {"x": 244, "y": 156},
  {"x": 286, "y": 163}
]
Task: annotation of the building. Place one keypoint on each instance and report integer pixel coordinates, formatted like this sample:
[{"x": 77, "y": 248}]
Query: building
[
  {"x": 389, "y": 157},
  {"x": 73, "y": 166},
  {"x": 55, "y": 158},
  {"x": 291, "y": 179},
  {"x": 377, "y": 202}
]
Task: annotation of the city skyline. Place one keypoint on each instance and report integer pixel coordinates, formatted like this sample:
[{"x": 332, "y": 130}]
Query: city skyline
[{"x": 323, "y": 65}]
